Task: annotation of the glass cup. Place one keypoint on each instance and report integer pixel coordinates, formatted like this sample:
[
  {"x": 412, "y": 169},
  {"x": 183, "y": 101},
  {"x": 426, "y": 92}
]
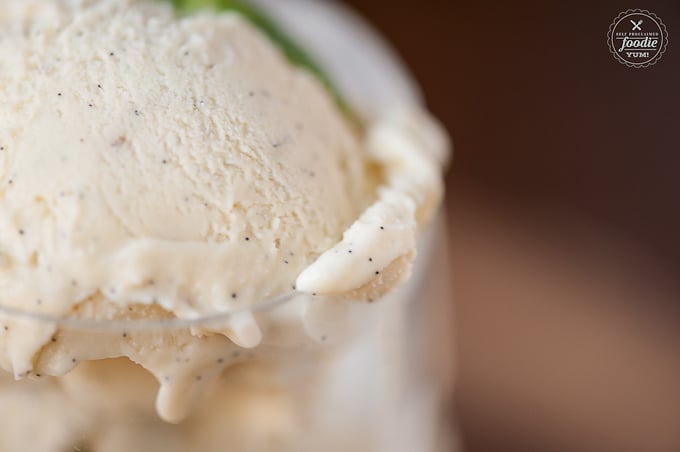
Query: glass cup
[{"x": 329, "y": 375}]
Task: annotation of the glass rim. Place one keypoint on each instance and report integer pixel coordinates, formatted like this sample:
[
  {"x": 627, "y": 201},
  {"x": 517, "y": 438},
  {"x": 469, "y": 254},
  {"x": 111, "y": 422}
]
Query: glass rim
[{"x": 150, "y": 324}]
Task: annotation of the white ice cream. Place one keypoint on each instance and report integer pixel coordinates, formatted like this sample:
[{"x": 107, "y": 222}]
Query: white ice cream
[{"x": 153, "y": 167}]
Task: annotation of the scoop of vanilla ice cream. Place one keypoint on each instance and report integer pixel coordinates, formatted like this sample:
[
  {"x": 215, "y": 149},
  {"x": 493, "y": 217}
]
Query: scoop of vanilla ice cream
[
  {"x": 158, "y": 167},
  {"x": 152, "y": 159}
]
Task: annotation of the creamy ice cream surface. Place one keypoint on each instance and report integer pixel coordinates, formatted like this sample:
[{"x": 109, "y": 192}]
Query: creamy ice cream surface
[
  {"x": 153, "y": 166},
  {"x": 152, "y": 159}
]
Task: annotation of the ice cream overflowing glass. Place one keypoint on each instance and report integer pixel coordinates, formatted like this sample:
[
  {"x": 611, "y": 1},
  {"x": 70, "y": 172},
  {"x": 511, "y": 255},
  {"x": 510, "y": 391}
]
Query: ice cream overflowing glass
[{"x": 207, "y": 245}]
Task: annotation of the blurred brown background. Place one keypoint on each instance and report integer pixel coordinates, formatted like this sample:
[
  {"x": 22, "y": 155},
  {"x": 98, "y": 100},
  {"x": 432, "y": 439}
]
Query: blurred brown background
[{"x": 564, "y": 204}]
